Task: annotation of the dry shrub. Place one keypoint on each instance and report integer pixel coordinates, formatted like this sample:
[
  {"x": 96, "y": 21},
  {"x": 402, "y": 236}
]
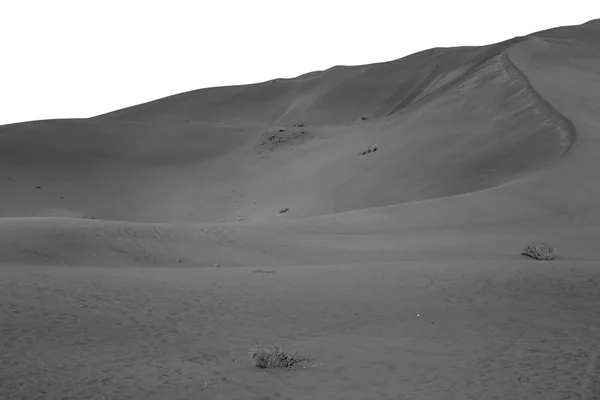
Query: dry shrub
[
  {"x": 273, "y": 356},
  {"x": 539, "y": 251}
]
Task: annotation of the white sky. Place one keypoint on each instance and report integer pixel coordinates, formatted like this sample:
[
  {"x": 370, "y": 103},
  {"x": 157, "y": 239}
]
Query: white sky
[{"x": 80, "y": 58}]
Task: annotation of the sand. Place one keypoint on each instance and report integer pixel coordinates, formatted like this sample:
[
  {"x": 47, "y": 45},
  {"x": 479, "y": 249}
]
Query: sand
[{"x": 131, "y": 243}]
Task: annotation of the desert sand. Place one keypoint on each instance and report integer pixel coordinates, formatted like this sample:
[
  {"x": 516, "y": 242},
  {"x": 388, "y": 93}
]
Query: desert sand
[{"x": 144, "y": 251}]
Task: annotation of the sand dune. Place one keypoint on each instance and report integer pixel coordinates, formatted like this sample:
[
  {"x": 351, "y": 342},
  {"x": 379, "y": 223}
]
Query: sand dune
[
  {"x": 112, "y": 228},
  {"x": 448, "y": 122}
]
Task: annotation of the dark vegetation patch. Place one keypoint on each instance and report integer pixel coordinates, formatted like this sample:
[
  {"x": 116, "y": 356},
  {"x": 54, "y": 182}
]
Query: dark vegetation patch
[{"x": 272, "y": 140}]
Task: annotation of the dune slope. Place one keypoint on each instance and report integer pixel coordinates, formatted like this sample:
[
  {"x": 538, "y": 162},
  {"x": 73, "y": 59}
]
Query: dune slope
[
  {"x": 466, "y": 136},
  {"x": 447, "y": 122}
]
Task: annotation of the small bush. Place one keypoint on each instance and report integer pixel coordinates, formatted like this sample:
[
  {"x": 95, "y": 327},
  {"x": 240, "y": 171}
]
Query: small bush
[
  {"x": 300, "y": 125},
  {"x": 539, "y": 251},
  {"x": 273, "y": 357}
]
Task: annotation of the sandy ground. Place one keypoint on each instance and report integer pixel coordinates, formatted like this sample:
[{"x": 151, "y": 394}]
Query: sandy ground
[
  {"x": 477, "y": 329},
  {"x": 142, "y": 252}
]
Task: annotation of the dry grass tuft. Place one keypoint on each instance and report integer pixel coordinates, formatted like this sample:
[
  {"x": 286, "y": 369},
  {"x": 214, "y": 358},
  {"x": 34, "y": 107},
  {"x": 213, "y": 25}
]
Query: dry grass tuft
[
  {"x": 273, "y": 356},
  {"x": 539, "y": 251}
]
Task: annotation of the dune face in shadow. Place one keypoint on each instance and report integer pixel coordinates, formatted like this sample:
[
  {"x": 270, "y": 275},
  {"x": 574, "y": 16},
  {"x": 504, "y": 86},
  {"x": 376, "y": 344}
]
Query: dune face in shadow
[{"x": 486, "y": 129}]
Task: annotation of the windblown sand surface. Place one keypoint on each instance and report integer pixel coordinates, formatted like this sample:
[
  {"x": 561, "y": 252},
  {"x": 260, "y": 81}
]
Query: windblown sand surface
[{"x": 134, "y": 245}]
